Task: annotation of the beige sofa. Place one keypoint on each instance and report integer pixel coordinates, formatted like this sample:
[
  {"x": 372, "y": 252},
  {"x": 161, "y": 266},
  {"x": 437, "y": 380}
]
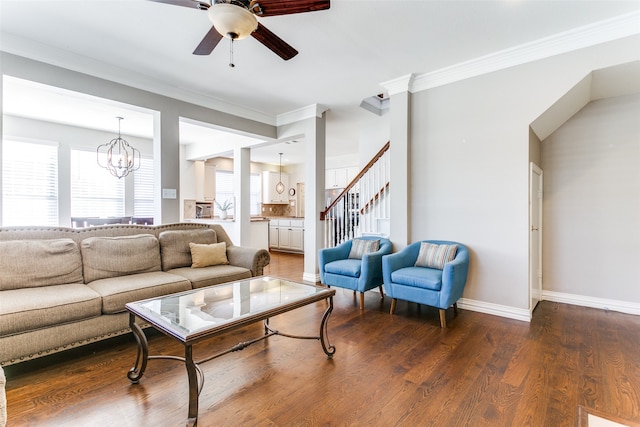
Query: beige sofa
[{"x": 63, "y": 287}]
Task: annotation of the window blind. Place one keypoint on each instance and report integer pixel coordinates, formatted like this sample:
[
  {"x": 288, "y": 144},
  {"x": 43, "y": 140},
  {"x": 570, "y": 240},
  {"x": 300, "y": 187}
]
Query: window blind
[
  {"x": 255, "y": 187},
  {"x": 224, "y": 191},
  {"x": 29, "y": 183},
  {"x": 94, "y": 191},
  {"x": 143, "y": 188}
]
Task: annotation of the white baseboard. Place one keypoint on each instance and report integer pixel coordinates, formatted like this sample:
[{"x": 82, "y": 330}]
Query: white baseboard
[
  {"x": 495, "y": 309},
  {"x": 310, "y": 277},
  {"x": 525, "y": 315},
  {"x": 585, "y": 301}
]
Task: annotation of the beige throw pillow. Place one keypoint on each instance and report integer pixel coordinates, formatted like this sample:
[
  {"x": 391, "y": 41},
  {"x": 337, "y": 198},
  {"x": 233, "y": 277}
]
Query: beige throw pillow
[
  {"x": 207, "y": 255},
  {"x": 359, "y": 247},
  {"x": 435, "y": 256}
]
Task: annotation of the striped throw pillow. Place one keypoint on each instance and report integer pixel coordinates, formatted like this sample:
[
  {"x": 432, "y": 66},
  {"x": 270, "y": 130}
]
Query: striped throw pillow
[
  {"x": 435, "y": 256},
  {"x": 360, "y": 247}
]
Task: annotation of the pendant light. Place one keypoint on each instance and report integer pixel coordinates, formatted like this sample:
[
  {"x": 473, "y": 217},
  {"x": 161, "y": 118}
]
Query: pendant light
[
  {"x": 121, "y": 157},
  {"x": 280, "y": 185}
]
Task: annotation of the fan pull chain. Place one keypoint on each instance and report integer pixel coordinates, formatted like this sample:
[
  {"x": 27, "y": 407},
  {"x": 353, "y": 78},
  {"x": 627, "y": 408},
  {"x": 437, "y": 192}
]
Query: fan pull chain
[{"x": 231, "y": 64}]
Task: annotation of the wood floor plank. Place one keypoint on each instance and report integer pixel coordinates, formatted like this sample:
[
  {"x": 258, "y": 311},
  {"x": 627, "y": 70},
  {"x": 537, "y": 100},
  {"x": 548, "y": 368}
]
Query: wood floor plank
[{"x": 388, "y": 370}]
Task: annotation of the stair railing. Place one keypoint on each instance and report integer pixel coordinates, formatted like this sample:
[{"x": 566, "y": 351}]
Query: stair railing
[{"x": 346, "y": 218}]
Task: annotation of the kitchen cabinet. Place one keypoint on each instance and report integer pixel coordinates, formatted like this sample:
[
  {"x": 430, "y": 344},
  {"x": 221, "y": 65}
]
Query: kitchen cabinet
[
  {"x": 209, "y": 182},
  {"x": 296, "y": 239},
  {"x": 269, "y": 193},
  {"x": 335, "y": 178},
  {"x": 286, "y": 235},
  {"x": 274, "y": 237},
  {"x": 339, "y": 177},
  {"x": 205, "y": 181}
]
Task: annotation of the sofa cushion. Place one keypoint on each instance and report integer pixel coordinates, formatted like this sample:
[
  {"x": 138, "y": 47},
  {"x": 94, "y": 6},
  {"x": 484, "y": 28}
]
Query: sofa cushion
[
  {"x": 37, "y": 263},
  {"x": 359, "y": 247},
  {"x": 105, "y": 257},
  {"x": 344, "y": 267},
  {"x": 34, "y": 308},
  {"x": 418, "y": 277},
  {"x": 117, "y": 291},
  {"x": 208, "y": 255},
  {"x": 435, "y": 256},
  {"x": 214, "y": 275},
  {"x": 174, "y": 246}
]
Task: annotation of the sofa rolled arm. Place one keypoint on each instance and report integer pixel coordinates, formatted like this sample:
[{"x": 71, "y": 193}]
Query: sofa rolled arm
[{"x": 251, "y": 258}]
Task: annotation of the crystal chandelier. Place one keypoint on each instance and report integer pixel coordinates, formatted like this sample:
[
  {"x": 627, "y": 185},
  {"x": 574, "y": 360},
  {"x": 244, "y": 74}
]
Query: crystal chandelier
[{"x": 121, "y": 157}]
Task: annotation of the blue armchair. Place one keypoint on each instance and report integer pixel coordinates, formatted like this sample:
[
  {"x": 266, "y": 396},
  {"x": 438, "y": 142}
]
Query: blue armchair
[
  {"x": 430, "y": 286},
  {"x": 361, "y": 275}
]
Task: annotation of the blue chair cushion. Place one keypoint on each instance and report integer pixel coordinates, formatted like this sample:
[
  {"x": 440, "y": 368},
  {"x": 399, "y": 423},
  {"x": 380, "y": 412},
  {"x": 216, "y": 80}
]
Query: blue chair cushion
[
  {"x": 344, "y": 267},
  {"x": 418, "y": 277}
]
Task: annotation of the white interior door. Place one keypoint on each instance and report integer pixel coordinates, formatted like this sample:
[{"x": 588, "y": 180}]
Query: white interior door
[{"x": 535, "y": 236}]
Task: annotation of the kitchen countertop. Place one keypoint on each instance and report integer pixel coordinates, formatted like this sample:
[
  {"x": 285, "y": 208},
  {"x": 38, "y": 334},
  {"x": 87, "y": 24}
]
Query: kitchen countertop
[
  {"x": 283, "y": 217},
  {"x": 253, "y": 219}
]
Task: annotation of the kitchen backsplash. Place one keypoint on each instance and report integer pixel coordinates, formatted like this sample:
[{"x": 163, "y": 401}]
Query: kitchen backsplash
[{"x": 278, "y": 210}]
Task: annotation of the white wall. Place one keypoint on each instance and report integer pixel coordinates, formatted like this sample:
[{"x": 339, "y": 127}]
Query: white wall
[
  {"x": 469, "y": 165},
  {"x": 591, "y": 232},
  {"x": 68, "y": 136},
  {"x": 375, "y": 132}
]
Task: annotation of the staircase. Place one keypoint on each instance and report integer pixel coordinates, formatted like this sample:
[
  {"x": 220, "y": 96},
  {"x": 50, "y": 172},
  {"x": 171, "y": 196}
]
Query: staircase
[{"x": 363, "y": 206}]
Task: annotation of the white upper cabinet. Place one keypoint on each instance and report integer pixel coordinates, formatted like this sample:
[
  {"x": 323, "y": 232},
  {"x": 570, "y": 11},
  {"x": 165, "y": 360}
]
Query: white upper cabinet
[
  {"x": 209, "y": 182},
  {"x": 339, "y": 177},
  {"x": 335, "y": 178}
]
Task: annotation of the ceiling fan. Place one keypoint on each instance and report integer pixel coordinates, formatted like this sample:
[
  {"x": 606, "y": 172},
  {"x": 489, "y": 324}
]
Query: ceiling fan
[{"x": 236, "y": 19}]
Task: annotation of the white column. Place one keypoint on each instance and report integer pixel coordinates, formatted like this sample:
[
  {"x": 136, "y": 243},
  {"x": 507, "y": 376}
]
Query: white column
[
  {"x": 400, "y": 165},
  {"x": 242, "y": 192},
  {"x": 166, "y": 155}
]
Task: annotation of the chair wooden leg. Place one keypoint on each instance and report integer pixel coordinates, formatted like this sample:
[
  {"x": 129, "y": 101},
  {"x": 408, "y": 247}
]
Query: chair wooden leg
[
  {"x": 393, "y": 306},
  {"x": 455, "y": 308},
  {"x": 381, "y": 292},
  {"x": 443, "y": 319},
  {"x": 361, "y": 300}
]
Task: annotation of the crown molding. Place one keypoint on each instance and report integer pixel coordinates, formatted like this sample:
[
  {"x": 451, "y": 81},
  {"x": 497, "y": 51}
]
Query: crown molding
[
  {"x": 577, "y": 38},
  {"x": 313, "y": 110},
  {"x": 64, "y": 59},
  {"x": 399, "y": 85}
]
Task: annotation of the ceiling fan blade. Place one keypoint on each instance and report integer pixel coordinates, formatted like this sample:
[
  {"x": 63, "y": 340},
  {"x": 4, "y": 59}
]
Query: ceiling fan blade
[
  {"x": 287, "y": 7},
  {"x": 186, "y": 3},
  {"x": 273, "y": 42},
  {"x": 208, "y": 43}
]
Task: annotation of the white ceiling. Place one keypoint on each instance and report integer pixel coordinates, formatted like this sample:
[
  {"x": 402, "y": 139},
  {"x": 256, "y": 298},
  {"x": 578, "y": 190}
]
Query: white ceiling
[{"x": 346, "y": 52}]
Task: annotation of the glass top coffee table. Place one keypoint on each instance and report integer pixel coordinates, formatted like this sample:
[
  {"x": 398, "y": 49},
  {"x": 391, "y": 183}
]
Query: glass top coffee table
[{"x": 206, "y": 312}]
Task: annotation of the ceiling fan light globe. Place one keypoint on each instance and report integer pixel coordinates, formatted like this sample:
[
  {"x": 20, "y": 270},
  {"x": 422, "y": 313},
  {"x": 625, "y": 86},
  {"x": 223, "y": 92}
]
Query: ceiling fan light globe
[{"x": 230, "y": 19}]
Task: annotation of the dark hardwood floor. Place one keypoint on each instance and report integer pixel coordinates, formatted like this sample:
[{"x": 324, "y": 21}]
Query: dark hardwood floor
[{"x": 388, "y": 370}]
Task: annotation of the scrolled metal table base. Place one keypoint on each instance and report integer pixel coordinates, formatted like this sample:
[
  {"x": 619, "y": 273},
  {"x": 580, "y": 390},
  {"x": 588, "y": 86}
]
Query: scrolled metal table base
[{"x": 194, "y": 372}]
